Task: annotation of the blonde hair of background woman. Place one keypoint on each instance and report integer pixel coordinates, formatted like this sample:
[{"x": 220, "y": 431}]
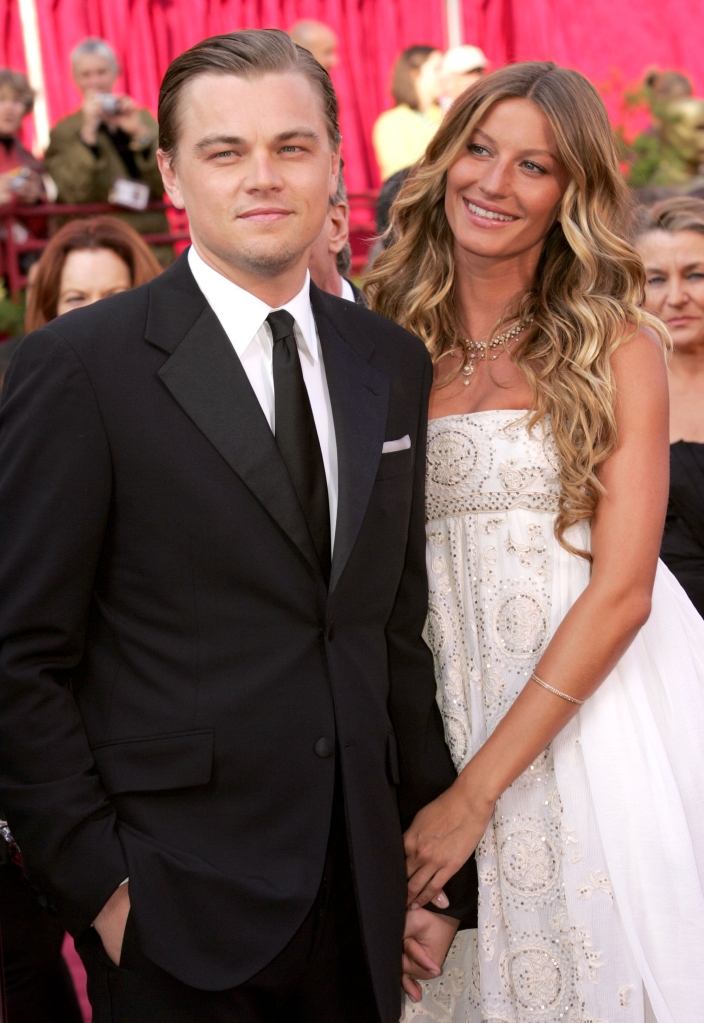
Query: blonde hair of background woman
[{"x": 588, "y": 287}]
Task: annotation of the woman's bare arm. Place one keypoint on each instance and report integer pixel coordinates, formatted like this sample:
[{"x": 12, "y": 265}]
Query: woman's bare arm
[{"x": 592, "y": 637}]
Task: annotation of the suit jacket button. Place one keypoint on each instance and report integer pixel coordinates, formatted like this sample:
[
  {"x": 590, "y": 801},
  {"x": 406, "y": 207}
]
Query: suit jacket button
[{"x": 324, "y": 748}]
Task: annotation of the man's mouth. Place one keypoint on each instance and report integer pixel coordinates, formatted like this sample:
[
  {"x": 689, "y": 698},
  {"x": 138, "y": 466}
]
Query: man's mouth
[{"x": 264, "y": 215}]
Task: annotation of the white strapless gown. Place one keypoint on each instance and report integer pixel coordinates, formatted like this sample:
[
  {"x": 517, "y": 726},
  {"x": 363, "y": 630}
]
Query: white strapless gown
[{"x": 591, "y": 873}]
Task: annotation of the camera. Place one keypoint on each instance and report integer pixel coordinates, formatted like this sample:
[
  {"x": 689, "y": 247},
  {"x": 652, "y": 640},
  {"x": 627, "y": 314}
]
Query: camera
[
  {"x": 109, "y": 103},
  {"x": 19, "y": 178}
]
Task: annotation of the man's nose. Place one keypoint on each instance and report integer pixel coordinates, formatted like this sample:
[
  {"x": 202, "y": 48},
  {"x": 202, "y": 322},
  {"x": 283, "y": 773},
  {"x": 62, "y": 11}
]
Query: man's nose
[{"x": 262, "y": 173}]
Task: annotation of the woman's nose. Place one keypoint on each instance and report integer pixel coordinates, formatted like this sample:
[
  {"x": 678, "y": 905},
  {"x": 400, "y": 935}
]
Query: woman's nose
[
  {"x": 495, "y": 180},
  {"x": 676, "y": 293}
]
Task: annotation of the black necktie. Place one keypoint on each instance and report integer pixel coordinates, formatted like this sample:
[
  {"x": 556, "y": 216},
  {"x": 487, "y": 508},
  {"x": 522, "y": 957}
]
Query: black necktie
[{"x": 296, "y": 435}]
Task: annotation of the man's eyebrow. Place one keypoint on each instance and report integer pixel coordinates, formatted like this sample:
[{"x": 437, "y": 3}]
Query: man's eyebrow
[
  {"x": 218, "y": 140},
  {"x": 298, "y": 133},
  {"x": 235, "y": 140}
]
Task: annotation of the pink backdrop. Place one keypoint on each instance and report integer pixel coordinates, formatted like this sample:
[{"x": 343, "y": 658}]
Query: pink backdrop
[{"x": 612, "y": 41}]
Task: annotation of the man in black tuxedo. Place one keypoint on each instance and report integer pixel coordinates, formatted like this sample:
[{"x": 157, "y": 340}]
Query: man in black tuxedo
[{"x": 217, "y": 712}]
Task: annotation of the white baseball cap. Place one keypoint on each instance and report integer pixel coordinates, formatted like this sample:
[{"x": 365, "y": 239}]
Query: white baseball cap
[{"x": 460, "y": 60}]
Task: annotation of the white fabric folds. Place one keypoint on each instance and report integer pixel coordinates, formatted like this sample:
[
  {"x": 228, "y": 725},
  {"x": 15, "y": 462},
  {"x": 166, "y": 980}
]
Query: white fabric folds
[
  {"x": 591, "y": 872},
  {"x": 642, "y": 739}
]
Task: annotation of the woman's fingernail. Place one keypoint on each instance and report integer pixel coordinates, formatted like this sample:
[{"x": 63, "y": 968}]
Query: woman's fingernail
[
  {"x": 414, "y": 905},
  {"x": 442, "y": 900},
  {"x": 434, "y": 973}
]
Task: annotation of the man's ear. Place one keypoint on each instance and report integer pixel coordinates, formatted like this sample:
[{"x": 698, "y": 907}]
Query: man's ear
[
  {"x": 338, "y": 227},
  {"x": 334, "y": 173},
  {"x": 168, "y": 176}
]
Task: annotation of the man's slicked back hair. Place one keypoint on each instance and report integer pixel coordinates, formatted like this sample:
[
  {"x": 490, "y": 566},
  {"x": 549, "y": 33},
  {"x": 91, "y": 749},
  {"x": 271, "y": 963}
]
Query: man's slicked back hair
[{"x": 247, "y": 54}]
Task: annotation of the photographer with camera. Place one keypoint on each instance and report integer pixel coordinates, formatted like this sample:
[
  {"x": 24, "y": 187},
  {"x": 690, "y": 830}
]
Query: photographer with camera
[
  {"x": 21, "y": 182},
  {"x": 106, "y": 151}
]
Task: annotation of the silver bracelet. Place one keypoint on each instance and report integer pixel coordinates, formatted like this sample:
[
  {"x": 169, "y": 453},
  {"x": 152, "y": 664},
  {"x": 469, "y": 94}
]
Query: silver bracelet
[{"x": 555, "y": 691}]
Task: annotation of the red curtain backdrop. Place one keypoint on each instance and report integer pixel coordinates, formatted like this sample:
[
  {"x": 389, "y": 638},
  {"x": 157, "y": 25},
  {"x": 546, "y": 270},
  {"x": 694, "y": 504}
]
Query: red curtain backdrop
[
  {"x": 148, "y": 34},
  {"x": 612, "y": 41}
]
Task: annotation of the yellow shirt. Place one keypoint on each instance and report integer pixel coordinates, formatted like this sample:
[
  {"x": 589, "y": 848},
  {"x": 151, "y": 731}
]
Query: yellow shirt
[{"x": 401, "y": 136}]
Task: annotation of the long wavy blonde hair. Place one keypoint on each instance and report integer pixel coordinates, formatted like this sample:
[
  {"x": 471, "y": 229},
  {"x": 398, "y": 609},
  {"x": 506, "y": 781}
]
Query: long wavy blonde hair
[{"x": 589, "y": 283}]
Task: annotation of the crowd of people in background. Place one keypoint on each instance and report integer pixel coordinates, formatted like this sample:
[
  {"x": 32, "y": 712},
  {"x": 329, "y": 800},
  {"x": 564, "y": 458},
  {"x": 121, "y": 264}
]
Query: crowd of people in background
[{"x": 106, "y": 152}]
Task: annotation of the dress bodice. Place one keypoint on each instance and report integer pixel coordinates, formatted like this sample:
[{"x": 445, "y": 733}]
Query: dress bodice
[{"x": 489, "y": 462}]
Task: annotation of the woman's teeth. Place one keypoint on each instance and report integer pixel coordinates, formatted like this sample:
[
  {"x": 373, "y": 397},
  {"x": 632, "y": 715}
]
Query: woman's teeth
[{"x": 487, "y": 214}]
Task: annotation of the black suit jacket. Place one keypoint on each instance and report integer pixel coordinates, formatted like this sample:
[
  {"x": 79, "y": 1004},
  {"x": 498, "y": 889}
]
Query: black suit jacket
[{"x": 171, "y": 655}]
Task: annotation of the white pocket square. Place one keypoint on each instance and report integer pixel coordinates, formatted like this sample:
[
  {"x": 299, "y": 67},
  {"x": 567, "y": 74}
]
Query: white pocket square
[{"x": 396, "y": 445}]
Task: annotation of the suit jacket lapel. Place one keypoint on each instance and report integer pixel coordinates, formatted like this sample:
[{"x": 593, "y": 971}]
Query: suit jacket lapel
[
  {"x": 206, "y": 378},
  {"x": 359, "y": 396}
]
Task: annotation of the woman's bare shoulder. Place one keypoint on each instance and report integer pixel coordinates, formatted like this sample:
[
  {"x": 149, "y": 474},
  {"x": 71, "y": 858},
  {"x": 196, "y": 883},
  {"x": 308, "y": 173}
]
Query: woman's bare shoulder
[{"x": 640, "y": 374}]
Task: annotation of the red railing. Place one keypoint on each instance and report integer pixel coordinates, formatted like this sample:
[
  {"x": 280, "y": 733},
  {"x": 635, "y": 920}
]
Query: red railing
[
  {"x": 362, "y": 230},
  {"x": 11, "y": 249}
]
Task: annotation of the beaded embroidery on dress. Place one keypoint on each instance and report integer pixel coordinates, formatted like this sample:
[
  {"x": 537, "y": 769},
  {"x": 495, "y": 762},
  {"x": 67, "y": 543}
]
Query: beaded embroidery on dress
[{"x": 551, "y": 944}]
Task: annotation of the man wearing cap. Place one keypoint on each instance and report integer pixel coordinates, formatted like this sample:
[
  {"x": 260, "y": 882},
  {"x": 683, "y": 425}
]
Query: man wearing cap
[{"x": 461, "y": 67}]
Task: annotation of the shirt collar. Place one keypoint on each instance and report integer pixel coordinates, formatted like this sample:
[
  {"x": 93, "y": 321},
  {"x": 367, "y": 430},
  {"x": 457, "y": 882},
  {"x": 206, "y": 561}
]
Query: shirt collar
[{"x": 242, "y": 314}]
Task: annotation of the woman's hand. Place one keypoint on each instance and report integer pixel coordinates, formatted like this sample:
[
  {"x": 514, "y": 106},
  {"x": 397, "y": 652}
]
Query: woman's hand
[{"x": 442, "y": 837}]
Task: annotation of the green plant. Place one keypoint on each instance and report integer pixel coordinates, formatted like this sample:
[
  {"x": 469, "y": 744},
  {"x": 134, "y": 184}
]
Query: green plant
[{"x": 11, "y": 314}]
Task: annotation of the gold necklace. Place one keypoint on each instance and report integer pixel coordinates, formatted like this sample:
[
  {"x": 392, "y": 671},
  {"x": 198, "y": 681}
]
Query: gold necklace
[{"x": 473, "y": 349}]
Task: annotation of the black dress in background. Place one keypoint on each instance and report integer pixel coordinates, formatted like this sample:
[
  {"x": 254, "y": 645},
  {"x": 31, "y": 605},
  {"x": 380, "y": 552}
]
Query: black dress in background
[{"x": 683, "y": 540}]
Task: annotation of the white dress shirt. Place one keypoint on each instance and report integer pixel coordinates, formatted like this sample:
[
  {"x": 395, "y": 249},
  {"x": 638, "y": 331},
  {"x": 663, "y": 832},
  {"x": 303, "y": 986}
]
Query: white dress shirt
[
  {"x": 347, "y": 291},
  {"x": 243, "y": 318}
]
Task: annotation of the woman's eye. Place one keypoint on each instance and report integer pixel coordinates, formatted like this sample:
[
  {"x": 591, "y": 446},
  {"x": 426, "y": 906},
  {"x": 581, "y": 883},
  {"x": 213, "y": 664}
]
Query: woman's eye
[
  {"x": 655, "y": 280},
  {"x": 529, "y": 165},
  {"x": 477, "y": 150}
]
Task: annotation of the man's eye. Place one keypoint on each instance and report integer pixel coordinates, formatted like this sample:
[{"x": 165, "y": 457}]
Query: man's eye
[
  {"x": 291, "y": 149},
  {"x": 695, "y": 276}
]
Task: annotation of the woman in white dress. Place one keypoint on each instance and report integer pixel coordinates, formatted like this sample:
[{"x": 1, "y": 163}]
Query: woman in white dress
[{"x": 570, "y": 663}]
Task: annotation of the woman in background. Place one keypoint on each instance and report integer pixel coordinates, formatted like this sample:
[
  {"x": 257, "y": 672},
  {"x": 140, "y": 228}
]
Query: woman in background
[
  {"x": 85, "y": 261},
  {"x": 671, "y": 243},
  {"x": 20, "y": 172},
  {"x": 570, "y": 664},
  {"x": 400, "y": 135},
  {"x": 21, "y": 181}
]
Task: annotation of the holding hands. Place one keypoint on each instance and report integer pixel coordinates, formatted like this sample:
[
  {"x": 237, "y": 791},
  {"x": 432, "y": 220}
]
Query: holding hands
[
  {"x": 442, "y": 837},
  {"x": 426, "y": 941}
]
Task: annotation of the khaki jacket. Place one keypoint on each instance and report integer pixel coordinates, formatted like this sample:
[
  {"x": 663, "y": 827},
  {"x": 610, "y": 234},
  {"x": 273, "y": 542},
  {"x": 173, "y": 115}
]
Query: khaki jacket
[{"x": 81, "y": 176}]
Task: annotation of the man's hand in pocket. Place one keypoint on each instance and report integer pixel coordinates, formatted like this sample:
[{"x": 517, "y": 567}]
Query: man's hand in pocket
[{"x": 111, "y": 920}]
